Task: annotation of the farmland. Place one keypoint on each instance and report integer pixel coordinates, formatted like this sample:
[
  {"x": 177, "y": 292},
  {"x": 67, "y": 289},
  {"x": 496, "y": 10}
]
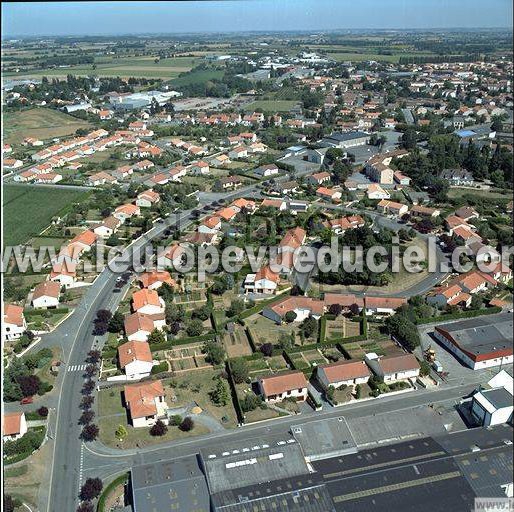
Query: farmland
[
  {"x": 28, "y": 210},
  {"x": 198, "y": 76},
  {"x": 145, "y": 67},
  {"x": 40, "y": 123}
]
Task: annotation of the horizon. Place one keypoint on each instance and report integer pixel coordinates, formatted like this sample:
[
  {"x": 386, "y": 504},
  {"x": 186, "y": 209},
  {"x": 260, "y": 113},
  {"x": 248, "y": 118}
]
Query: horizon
[{"x": 77, "y": 19}]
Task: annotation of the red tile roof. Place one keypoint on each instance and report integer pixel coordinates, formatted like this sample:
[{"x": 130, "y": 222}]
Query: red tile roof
[{"x": 283, "y": 382}]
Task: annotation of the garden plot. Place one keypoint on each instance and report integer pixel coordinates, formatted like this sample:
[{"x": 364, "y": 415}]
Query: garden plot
[
  {"x": 189, "y": 357},
  {"x": 236, "y": 343},
  {"x": 357, "y": 350},
  {"x": 265, "y": 331},
  {"x": 341, "y": 328}
]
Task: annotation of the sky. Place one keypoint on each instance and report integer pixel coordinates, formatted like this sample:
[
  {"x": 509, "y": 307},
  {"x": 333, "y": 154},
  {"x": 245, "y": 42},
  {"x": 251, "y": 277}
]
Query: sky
[{"x": 112, "y": 18}]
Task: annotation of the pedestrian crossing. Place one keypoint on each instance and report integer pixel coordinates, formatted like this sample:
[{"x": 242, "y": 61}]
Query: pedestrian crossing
[{"x": 77, "y": 367}]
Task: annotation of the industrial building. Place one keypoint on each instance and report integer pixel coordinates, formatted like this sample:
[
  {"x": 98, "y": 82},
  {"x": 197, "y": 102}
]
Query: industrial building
[{"x": 481, "y": 342}]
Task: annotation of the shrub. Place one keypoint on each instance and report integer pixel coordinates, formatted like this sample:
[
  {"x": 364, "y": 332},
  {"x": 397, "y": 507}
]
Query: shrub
[
  {"x": 290, "y": 317},
  {"x": 239, "y": 370},
  {"x": 121, "y": 432},
  {"x": 187, "y": 424},
  {"x": 267, "y": 349},
  {"x": 90, "y": 432},
  {"x": 176, "y": 420},
  {"x": 250, "y": 402},
  {"x": 158, "y": 429},
  {"x": 43, "y": 411}
]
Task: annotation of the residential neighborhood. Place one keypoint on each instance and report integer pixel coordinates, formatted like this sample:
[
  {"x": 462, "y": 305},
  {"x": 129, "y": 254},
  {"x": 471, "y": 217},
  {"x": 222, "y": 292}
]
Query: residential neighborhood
[{"x": 257, "y": 269}]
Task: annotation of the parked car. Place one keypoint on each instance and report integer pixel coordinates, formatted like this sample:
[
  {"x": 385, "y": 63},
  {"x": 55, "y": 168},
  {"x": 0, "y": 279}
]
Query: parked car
[{"x": 26, "y": 400}]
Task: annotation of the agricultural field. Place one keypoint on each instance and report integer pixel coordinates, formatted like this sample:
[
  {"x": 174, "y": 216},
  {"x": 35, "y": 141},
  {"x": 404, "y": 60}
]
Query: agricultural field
[
  {"x": 28, "y": 210},
  {"x": 144, "y": 67},
  {"x": 40, "y": 123},
  {"x": 199, "y": 76}
]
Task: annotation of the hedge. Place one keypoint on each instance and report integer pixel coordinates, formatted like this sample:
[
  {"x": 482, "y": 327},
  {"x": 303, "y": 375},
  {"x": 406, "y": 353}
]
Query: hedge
[
  {"x": 249, "y": 335},
  {"x": 322, "y": 329},
  {"x": 122, "y": 479},
  {"x": 160, "y": 368},
  {"x": 167, "y": 345},
  {"x": 235, "y": 398},
  {"x": 463, "y": 314},
  {"x": 40, "y": 312},
  {"x": 259, "y": 307}
]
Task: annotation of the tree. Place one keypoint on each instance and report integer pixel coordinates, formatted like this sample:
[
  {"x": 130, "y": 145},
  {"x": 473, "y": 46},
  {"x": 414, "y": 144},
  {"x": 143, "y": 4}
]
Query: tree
[
  {"x": 121, "y": 432},
  {"x": 87, "y": 402},
  {"x": 10, "y": 503},
  {"x": 94, "y": 356},
  {"x": 187, "y": 424},
  {"x": 424, "y": 368},
  {"x": 116, "y": 323},
  {"x": 86, "y": 506},
  {"x": 174, "y": 328},
  {"x": 194, "y": 327},
  {"x": 88, "y": 387},
  {"x": 91, "y": 489},
  {"x": 476, "y": 302},
  {"x": 309, "y": 327},
  {"x": 202, "y": 313},
  {"x": 91, "y": 370},
  {"x": 158, "y": 429},
  {"x": 29, "y": 384},
  {"x": 215, "y": 352},
  {"x": 103, "y": 315},
  {"x": 286, "y": 341},
  {"x": 239, "y": 370},
  {"x": 236, "y": 308},
  {"x": 86, "y": 417},
  {"x": 156, "y": 337},
  {"x": 220, "y": 394},
  {"x": 267, "y": 349},
  {"x": 90, "y": 432},
  {"x": 250, "y": 402},
  {"x": 43, "y": 411},
  {"x": 290, "y": 317},
  {"x": 335, "y": 309},
  {"x": 176, "y": 420}
]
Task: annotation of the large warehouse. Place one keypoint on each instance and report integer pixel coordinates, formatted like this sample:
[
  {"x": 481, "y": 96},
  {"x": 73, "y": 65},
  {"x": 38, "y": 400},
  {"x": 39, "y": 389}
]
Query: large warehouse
[{"x": 480, "y": 342}]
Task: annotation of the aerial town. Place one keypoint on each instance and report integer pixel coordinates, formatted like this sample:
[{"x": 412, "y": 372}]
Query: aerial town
[{"x": 166, "y": 345}]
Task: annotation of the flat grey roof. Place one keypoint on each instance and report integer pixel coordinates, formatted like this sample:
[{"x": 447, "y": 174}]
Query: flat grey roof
[
  {"x": 347, "y": 136},
  {"x": 324, "y": 438},
  {"x": 299, "y": 494},
  {"x": 252, "y": 463},
  {"x": 482, "y": 335},
  {"x": 498, "y": 397},
  {"x": 177, "y": 484}
]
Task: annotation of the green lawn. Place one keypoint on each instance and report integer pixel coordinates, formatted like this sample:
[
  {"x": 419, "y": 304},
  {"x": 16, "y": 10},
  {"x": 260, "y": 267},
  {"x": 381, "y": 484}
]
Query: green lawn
[
  {"x": 40, "y": 123},
  {"x": 272, "y": 105},
  {"x": 29, "y": 209}
]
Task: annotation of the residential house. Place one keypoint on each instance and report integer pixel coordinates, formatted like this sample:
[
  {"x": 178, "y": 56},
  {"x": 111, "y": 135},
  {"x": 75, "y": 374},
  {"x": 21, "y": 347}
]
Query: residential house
[
  {"x": 230, "y": 182},
  {"x": 108, "y": 227},
  {"x": 319, "y": 178},
  {"x": 424, "y": 211},
  {"x": 210, "y": 225},
  {"x": 147, "y": 199},
  {"x": 139, "y": 326},
  {"x": 265, "y": 281},
  {"x": 466, "y": 234},
  {"x": 174, "y": 256},
  {"x": 450, "y": 295},
  {"x": 155, "y": 279},
  {"x": 302, "y": 307},
  {"x": 135, "y": 357},
  {"x": 146, "y": 403},
  {"x": 126, "y": 211},
  {"x": 267, "y": 170},
  {"x": 64, "y": 272},
  {"x": 475, "y": 281},
  {"x": 200, "y": 168},
  {"x": 467, "y": 213},
  {"x": 101, "y": 178},
  {"x": 279, "y": 204},
  {"x": 84, "y": 241},
  {"x": 393, "y": 368},
  {"x": 375, "y": 191},
  {"x": 343, "y": 373},
  {"x": 246, "y": 205},
  {"x": 329, "y": 193},
  {"x": 46, "y": 295},
  {"x": 276, "y": 388},
  {"x": 238, "y": 152},
  {"x": 341, "y": 225},
  {"x": 393, "y": 208},
  {"x": 14, "y": 324},
  {"x": 147, "y": 302},
  {"x": 14, "y": 426}
]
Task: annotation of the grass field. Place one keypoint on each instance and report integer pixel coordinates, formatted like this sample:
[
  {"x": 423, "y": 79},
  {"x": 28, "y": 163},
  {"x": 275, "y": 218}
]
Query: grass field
[
  {"x": 197, "y": 77},
  {"x": 272, "y": 105},
  {"x": 145, "y": 67},
  {"x": 28, "y": 210},
  {"x": 40, "y": 123}
]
